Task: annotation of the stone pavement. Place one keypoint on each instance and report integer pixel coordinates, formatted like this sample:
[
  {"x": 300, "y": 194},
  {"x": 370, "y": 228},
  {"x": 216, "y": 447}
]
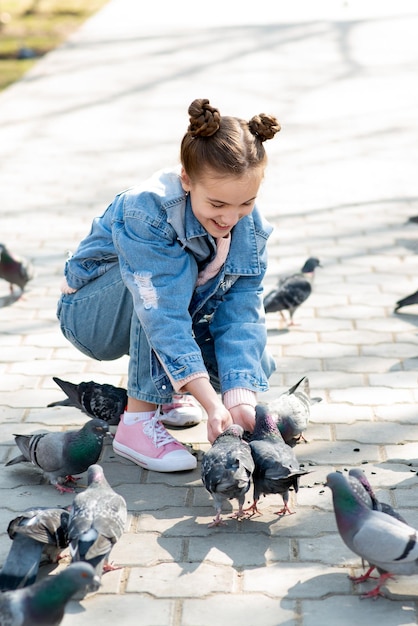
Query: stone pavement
[{"x": 108, "y": 108}]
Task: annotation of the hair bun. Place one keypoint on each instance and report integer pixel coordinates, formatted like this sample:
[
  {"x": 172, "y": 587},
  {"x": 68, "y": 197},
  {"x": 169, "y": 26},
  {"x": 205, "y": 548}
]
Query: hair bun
[
  {"x": 204, "y": 119},
  {"x": 264, "y": 126}
]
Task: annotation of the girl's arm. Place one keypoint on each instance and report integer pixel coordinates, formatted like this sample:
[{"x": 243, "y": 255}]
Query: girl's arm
[{"x": 219, "y": 417}]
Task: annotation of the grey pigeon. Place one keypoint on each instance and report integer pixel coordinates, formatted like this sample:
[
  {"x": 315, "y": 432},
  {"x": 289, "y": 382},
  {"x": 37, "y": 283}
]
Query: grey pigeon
[
  {"x": 61, "y": 455},
  {"x": 292, "y": 410},
  {"x": 292, "y": 291},
  {"x": 407, "y": 301},
  {"x": 359, "y": 475},
  {"x": 44, "y": 602},
  {"x": 103, "y": 401},
  {"x": 383, "y": 541},
  {"x": 362, "y": 488},
  {"x": 97, "y": 519},
  {"x": 276, "y": 469},
  {"x": 14, "y": 269},
  {"x": 226, "y": 470},
  {"x": 37, "y": 534}
]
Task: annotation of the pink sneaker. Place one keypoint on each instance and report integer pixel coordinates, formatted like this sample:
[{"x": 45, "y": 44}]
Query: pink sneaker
[
  {"x": 183, "y": 412},
  {"x": 147, "y": 443}
]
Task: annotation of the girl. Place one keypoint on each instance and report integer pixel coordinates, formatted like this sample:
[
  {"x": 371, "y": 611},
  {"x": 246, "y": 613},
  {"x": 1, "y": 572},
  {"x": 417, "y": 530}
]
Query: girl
[{"x": 171, "y": 274}]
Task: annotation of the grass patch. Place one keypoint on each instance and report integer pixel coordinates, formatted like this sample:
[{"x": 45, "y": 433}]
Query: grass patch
[{"x": 31, "y": 28}]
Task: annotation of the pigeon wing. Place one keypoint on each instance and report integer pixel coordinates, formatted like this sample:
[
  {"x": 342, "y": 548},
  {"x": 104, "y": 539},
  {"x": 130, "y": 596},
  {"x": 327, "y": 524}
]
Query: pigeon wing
[
  {"x": 22, "y": 564},
  {"x": 381, "y": 539}
]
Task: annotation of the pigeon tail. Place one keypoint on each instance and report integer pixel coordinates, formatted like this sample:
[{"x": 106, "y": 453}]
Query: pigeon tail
[{"x": 407, "y": 301}]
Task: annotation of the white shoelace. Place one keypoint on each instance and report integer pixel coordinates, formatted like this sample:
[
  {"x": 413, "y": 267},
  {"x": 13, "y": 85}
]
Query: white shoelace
[{"x": 155, "y": 430}]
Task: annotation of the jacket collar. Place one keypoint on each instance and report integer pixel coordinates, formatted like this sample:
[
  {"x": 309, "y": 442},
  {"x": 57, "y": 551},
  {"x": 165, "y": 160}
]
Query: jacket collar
[{"x": 243, "y": 257}]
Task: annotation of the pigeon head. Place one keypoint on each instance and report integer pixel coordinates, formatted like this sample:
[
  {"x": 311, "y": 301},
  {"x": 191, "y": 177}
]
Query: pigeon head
[
  {"x": 95, "y": 474},
  {"x": 348, "y": 507},
  {"x": 310, "y": 265},
  {"x": 265, "y": 424},
  {"x": 235, "y": 430},
  {"x": 287, "y": 431},
  {"x": 86, "y": 444},
  {"x": 53, "y": 592},
  {"x": 98, "y": 426}
]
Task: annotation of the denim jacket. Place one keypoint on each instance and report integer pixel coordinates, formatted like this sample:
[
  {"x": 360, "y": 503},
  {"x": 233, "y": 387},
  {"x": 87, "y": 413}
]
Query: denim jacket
[{"x": 151, "y": 231}]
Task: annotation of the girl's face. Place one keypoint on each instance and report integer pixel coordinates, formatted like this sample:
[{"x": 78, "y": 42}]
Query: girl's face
[{"x": 220, "y": 202}]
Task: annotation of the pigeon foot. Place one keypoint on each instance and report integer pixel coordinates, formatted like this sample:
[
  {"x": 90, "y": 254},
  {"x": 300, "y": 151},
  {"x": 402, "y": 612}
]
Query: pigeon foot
[
  {"x": 285, "y": 510},
  {"x": 375, "y": 592},
  {"x": 108, "y": 567},
  {"x": 361, "y": 579},
  {"x": 240, "y": 515},
  {"x": 217, "y": 522},
  {"x": 64, "y": 489},
  {"x": 71, "y": 479},
  {"x": 253, "y": 510}
]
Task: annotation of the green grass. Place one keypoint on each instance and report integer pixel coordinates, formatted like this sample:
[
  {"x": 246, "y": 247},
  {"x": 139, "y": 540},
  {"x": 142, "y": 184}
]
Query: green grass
[{"x": 37, "y": 26}]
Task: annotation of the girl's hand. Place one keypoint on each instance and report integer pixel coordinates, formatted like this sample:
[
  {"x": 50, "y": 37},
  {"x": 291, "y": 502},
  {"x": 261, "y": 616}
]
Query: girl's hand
[
  {"x": 244, "y": 414},
  {"x": 65, "y": 288},
  {"x": 218, "y": 420}
]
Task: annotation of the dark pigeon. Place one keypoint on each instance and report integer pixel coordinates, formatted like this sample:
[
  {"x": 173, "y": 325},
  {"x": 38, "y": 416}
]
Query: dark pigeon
[
  {"x": 276, "y": 469},
  {"x": 105, "y": 401},
  {"x": 292, "y": 291},
  {"x": 44, "y": 602},
  {"x": 62, "y": 455},
  {"x": 292, "y": 410},
  {"x": 97, "y": 520},
  {"x": 14, "y": 269},
  {"x": 39, "y": 535},
  {"x": 383, "y": 541},
  {"x": 226, "y": 471},
  {"x": 407, "y": 301}
]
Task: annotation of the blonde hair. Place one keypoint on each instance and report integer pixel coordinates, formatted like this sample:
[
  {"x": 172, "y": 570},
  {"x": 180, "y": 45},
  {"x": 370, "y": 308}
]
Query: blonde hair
[{"x": 224, "y": 144}]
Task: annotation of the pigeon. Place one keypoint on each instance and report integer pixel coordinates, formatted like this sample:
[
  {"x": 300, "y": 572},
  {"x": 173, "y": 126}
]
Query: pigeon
[
  {"x": 61, "y": 455},
  {"x": 407, "y": 301},
  {"x": 360, "y": 484},
  {"x": 383, "y": 541},
  {"x": 38, "y": 534},
  {"x": 226, "y": 470},
  {"x": 96, "y": 522},
  {"x": 14, "y": 269},
  {"x": 105, "y": 402},
  {"x": 292, "y": 410},
  {"x": 357, "y": 474},
  {"x": 292, "y": 291},
  {"x": 44, "y": 602},
  {"x": 276, "y": 467}
]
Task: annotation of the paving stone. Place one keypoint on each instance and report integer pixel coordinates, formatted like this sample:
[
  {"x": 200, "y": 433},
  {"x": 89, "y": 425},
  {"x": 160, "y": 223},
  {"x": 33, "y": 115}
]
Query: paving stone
[
  {"x": 219, "y": 549},
  {"x": 174, "y": 580},
  {"x": 219, "y": 609},
  {"x": 365, "y": 432},
  {"x": 105, "y": 610},
  {"x": 294, "y": 580},
  {"x": 340, "y": 452},
  {"x": 329, "y": 550},
  {"x": 145, "y": 549},
  {"x": 349, "y": 610}
]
